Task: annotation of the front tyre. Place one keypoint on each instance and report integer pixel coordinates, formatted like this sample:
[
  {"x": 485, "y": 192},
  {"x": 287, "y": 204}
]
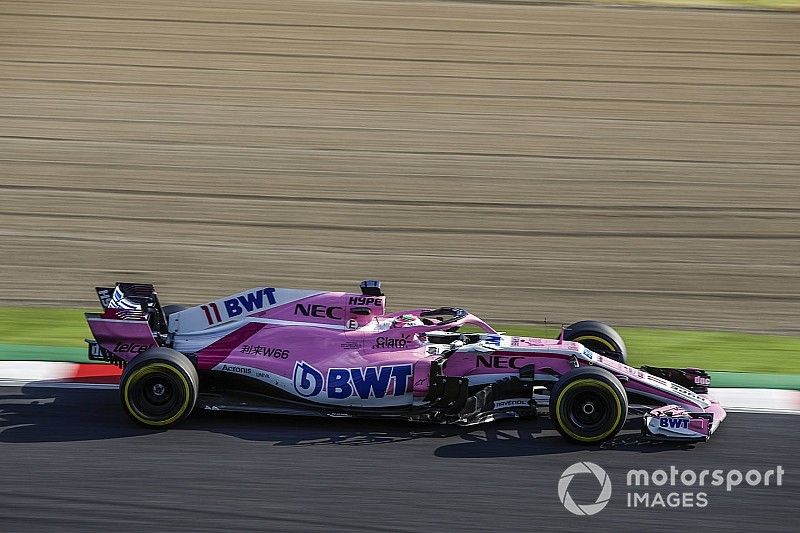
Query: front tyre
[
  {"x": 159, "y": 388},
  {"x": 599, "y": 338},
  {"x": 588, "y": 405}
]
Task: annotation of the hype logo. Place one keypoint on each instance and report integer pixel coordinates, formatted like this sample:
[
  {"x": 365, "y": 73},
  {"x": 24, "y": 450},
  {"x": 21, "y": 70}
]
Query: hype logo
[{"x": 308, "y": 380}]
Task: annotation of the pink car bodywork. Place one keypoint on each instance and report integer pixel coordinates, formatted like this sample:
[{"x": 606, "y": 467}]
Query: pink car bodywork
[{"x": 342, "y": 350}]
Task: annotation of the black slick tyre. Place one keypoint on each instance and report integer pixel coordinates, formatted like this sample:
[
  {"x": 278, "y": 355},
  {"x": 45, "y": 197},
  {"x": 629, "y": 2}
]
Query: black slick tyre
[
  {"x": 159, "y": 388},
  {"x": 588, "y": 405},
  {"x": 599, "y": 338}
]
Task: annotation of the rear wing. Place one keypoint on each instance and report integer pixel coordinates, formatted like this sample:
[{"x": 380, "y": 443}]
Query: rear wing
[
  {"x": 132, "y": 301},
  {"x": 132, "y": 321},
  {"x": 104, "y": 295}
]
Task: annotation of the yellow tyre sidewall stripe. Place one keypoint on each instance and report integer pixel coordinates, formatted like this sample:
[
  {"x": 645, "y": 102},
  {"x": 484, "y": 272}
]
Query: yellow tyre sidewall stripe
[
  {"x": 597, "y": 339},
  {"x": 147, "y": 369},
  {"x": 596, "y": 384}
]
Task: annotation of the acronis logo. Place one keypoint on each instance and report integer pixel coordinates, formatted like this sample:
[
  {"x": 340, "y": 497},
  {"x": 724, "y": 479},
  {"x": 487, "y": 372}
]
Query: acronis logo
[{"x": 342, "y": 383}]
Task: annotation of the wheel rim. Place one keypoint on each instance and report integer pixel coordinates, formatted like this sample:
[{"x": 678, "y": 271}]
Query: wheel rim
[{"x": 589, "y": 411}]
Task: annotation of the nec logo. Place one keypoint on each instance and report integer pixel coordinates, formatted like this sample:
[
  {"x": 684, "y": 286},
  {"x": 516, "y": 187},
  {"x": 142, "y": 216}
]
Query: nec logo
[
  {"x": 319, "y": 311},
  {"x": 675, "y": 423},
  {"x": 499, "y": 361},
  {"x": 365, "y": 300}
]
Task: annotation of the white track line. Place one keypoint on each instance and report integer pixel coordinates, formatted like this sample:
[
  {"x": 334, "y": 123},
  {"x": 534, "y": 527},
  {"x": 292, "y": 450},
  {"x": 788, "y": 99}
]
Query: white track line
[
  {"x": 55, "y": 384},
  {"x": 758, "y": 400},
  {"x": 35, "y": 370}
]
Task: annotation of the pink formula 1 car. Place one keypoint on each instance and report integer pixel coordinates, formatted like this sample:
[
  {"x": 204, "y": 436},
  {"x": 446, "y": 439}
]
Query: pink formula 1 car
[{"x": 340, "y": 354}]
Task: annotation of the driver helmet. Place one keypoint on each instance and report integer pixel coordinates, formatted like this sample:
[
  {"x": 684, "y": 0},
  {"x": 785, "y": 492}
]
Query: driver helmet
[{"x": 404, "y": 321}]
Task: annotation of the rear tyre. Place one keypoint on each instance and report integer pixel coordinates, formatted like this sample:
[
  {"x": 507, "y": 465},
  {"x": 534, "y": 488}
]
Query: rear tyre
[
  {"x": 159, "y": 388},
  {"x": 599, "y": 338},
  {"x": 588, "y": 405}
]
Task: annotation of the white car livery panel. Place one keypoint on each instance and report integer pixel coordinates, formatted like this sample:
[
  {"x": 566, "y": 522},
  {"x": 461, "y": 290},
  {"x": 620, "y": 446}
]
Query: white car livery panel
[{"x": 234, "y": 307}]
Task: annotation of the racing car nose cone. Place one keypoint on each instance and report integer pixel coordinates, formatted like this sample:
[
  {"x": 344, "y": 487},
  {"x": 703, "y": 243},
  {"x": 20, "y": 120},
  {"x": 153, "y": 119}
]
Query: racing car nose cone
[{"x": 588, "y": 408}]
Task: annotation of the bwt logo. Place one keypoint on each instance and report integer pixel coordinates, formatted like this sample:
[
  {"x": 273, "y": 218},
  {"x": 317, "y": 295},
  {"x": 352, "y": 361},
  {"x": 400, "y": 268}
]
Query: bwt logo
[
  {"x": 251, "y": 301},
  {"x": 589, "y": 509},
  {"x": 342, "y": 383},
  {"x": 675, "y": 423},
  {"x": 307, "y": 379}
]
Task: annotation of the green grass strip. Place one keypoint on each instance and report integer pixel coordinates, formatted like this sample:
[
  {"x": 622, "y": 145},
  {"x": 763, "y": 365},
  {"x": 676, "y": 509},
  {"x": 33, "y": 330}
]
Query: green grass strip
[
  {"x": 718, "y": 351},
  {"x": 746, "y": 380},
  {"x": 39, "y": 328},
  {"x": 24, "y": 352}
]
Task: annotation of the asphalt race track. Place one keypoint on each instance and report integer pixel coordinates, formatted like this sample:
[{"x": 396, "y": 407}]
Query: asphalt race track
[
  {"x": 71, "y": 460},
  {"x": 527, "y": 162}
]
